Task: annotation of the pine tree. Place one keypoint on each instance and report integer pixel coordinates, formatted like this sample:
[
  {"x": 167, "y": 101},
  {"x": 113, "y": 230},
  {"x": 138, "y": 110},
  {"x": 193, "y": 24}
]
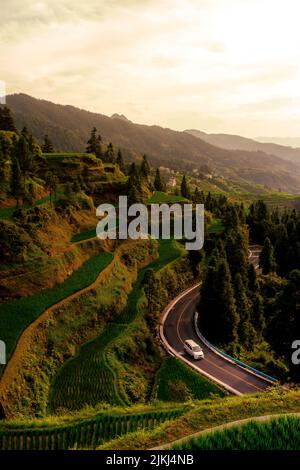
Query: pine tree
[
  {"x": 33, "y": 146},
  {"x": 29, "y": 196},
  {"x": 6, "y": 120},
  {"x": 158, "y": 184},
  {"x": 207, "y": 306},
  {"x": 266, "y": 260},
  {"x": 282, "y": 246},
  {"x": 94, "y": 144},
  {"x": 133, "y": 173},
  {"x": 120, "y": 162},
  {"x": 150, "y": 286},
  {"x": 16, "y": 185},
  {"x": 2, "y": 164},
  {"x": 237, "y": 253},
  {"x": 24, "y": 157},
  {"x": 47, "y": 146},
  {"x": 231, "y": 218},
  {"x": 197, "y": 196},
  {"x": 98, "y": 149},
  {"x": 51, "y": 182},
  {"x": 252, "y": 279},
  {"x": 258, "y": 317},
  {"x": 221, "y": 249},
  {"x": 246, "y": 333},
  {"x": 134, "y": 195},
  {"x": 134, "y": 186},
  {"x": 6, "y": 147},
  {"x": 241, "y": 214},
  {"x": 145, "y": 168},
  {"x": 284, "y": 325},
  {"x": 195, "y": 257},
  {"x": 185, "y": 191},
  {"x": 110, "y": 154},
  {"x": 228, "y": 315}
]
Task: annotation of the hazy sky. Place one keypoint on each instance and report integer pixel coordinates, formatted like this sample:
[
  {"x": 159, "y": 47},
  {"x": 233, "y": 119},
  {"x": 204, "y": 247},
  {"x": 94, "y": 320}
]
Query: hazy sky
[{"x": 216, "y": 65}]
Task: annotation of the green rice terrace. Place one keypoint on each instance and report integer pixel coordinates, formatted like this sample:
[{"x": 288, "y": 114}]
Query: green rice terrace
[
  {"x": 85, "y": 432},
  {"x": 160, "y": 197},
  {"x": 12, "y": 323},
  {"x": 278, "y": 434},
  {"x": 100, "y": 360},
  {"x": 89, "y": 376}
]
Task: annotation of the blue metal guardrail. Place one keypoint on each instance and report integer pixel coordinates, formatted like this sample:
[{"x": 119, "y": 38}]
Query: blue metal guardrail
[{"x": 237, "y": 361}]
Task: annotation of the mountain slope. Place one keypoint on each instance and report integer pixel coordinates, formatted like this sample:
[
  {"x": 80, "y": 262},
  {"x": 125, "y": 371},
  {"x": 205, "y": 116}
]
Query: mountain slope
[
  {"x": 236, "y": 142},
  {"x": 69, "y": 127}
]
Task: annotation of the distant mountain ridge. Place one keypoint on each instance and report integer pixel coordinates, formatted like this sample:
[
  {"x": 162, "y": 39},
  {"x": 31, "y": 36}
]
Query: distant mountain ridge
[
  {"x": 293, "y": 142},
  {"x": 236, "y": 142},
  {"x": 69, "y": 127}
]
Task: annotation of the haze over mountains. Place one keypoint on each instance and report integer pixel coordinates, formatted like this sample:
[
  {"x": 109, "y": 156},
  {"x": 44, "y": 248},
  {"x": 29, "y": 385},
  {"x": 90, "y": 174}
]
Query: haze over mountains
[
  {"x": 69, "y": 127},
  {"x": 286, "y": 141},
  {"x": 236, "y": 142}
]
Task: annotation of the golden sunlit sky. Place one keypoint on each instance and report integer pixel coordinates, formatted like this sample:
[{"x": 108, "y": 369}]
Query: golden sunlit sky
[{"x": 215, "y": 65}]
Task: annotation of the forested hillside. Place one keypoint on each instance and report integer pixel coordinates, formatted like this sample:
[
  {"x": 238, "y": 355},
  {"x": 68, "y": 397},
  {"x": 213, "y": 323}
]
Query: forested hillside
[{"x": 68, "y": 126}]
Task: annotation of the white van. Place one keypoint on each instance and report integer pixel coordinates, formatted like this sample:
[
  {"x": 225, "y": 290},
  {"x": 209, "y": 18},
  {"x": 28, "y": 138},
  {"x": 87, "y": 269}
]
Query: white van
[{"x": 193, "y": 349}]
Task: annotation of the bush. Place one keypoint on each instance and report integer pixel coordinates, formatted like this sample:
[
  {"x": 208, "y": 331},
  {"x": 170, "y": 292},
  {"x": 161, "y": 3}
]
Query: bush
[
  {"x": 179, "y": 391},
  {"x": 15, "y": 243}
]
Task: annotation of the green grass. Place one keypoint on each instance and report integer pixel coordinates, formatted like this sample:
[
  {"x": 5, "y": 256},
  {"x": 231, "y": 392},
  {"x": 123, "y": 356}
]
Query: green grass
[
  {"x": 7, "y": 212},
  {"x": 216, "y": 226},
  {"x": 173, "y": 370},
  {"x": 86, "y": 235},
  {"x": 87, "y": 433},
  {"x": 168, "y": 252},
  {"x": 62, "y": 156},
  {"x": 159, "y": 197},
  {"x": 207, "y": 414},
  {"x": 278, "y": 434},
  {"x": 17, "y": 314},
  {"x": 88, "y": 379}
]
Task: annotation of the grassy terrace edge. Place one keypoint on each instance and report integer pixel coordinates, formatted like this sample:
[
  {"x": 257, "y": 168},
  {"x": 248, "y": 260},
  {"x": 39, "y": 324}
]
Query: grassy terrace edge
[
  {"x": 280, "y": 433},
  {"x": 16, "y": 315},
  {"x": 88, "y": 432},
  {"x": 91, "y": 359},
  {"x": 207, "y": 414}
]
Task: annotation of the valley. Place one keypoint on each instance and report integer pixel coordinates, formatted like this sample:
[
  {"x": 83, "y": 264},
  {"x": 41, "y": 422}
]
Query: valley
[{"x": 82, "y": 319}]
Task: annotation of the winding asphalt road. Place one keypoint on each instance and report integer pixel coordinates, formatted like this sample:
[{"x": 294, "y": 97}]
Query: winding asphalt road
[{"x": 178, "y": 325}]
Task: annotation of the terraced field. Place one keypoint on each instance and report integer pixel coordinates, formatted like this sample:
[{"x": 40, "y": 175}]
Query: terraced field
[
  {"x": 17, "y": 314},
  {"x": 160, "y": 198},
  {"x": 84, "y": 434},
  {"x": 86, "y": 235},
  {"x": 278, "y": 434},
  {"x": 88, "y": 379},
  {"x": 7, "y": 212}
]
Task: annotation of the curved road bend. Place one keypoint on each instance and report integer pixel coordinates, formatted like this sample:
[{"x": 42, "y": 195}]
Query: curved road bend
[{"x": 179, "y": 326}]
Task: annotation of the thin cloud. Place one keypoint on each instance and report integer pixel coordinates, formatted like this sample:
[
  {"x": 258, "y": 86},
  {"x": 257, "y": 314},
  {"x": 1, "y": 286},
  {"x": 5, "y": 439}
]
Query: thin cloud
[{"x": 178, "y": 63}]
